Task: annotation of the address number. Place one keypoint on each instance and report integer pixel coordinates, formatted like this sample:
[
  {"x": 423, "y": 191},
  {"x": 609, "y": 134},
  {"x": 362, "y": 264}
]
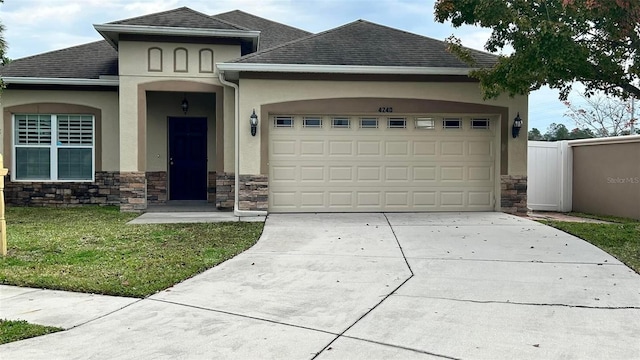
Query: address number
[{"x": 385, "y": 109}]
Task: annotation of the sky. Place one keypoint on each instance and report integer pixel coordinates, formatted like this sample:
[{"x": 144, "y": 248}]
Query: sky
[{"x": 38, "y": 26}]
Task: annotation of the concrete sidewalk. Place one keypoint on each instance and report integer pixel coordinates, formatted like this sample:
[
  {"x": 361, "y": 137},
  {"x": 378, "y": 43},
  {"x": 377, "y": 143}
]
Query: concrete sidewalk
[{"x": 372, "y": 286}]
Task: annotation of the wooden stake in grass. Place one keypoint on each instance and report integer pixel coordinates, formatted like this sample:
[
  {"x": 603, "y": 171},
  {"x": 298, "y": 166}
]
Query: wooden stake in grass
[{"x": 3, "y": 222}]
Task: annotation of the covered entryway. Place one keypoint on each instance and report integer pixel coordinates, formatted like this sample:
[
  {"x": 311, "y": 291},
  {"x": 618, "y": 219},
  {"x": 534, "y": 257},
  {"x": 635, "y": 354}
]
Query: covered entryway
[
  {"x": 326, "y": 163},
  {"x": 187, "y": 158}
]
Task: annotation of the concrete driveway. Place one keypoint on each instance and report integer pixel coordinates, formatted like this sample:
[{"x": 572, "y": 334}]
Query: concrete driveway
[{"x": 380, "y": 286}]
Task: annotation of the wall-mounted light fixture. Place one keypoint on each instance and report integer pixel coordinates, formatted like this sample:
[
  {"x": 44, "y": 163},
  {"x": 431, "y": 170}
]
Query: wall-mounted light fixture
[
  {"x": 184, "y": 105},
  {"x": 253, "y": 121},
  {"x": 517, "y": 124}
]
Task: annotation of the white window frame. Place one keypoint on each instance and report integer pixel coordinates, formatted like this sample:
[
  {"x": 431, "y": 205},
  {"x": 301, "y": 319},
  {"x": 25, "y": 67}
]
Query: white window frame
[
  {"x": 307, "y": 122},
  {"x": 283, "y": 118},
  {"x": 336, "y": 119},
  {"x": 363, "y": 119},
  {"x": 396, "y": 119},
  {"x": 486, "y": 121},
  {"x": 425, "y": 123},
  {"x": 444, "y": 124},
  {"x": 53, "y": 150}
]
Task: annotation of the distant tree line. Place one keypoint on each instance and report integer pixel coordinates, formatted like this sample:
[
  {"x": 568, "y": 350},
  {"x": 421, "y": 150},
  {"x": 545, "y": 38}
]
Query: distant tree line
[{"x": 557, "y": 132}]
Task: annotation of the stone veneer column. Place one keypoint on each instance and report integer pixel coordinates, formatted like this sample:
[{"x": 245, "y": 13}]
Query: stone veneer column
[
  {"x": 156, "y": 187},
  {"x": 254, "y": 191},
  {"x": 133, "y": 191},
  {"x": 225, "y": 190},
  {"x": 212, "y": 180},
  {"x": 513, "y": 194}
]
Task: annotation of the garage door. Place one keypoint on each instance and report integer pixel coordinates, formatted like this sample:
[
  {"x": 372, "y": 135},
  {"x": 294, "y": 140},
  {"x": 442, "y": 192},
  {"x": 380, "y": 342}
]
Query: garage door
[{"x": 320, "y": 163}]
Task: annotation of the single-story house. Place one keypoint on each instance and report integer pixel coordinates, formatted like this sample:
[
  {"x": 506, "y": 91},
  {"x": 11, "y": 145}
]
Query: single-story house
[{"x": 258, "y": 116}]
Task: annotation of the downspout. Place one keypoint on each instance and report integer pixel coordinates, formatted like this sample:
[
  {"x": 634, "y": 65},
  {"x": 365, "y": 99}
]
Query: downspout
[{"x": 236, "y": 199}]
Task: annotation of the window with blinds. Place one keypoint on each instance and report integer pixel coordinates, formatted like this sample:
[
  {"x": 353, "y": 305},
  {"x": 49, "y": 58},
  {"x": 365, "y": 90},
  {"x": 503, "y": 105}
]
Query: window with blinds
[
  {"x": 33, "y": 129},
  {"x": 53, "y": 147},
  {"x": 75, "y": 130}
]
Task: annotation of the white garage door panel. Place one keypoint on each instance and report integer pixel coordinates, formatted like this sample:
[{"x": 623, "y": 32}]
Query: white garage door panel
[{"x": 354, "y": 169}]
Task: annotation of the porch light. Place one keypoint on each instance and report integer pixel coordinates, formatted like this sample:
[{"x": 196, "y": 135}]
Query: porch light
[
  {"x": 185, "y": 105},
  {"x": 253, "y": 121},
  {"x": 517, "y": 124}
]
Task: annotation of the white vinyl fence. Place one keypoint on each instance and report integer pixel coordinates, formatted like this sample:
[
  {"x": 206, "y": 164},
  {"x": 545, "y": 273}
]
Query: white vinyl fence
[
  {"x": 599, "y": 176},
  {"x": 549, "y": 176}
]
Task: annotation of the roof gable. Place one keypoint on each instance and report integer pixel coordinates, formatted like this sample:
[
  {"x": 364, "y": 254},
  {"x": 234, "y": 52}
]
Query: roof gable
[
  {"x": 271, "y": 33},
  {"x": 362, "y": 43},
  {"x": 179, "y": 18}
]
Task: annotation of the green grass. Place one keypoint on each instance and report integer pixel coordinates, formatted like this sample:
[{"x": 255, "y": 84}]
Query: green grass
[
  {"x": 20, "y": 330},
  {"x": 621, "y": 239},
  {"x": 91, "y": 249}
]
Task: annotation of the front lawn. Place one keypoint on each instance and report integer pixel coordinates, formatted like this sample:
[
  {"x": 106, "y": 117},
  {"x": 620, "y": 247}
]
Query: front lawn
[
  {"x": 20, "y": 330},
  {"x": 91, "y": 249},
  {"x": 621, "y": 239}
]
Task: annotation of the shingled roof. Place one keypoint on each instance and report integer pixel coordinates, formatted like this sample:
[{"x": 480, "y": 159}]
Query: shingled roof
[
  {"x": 271, "y": 33},
  {"x": 363, "y": 43},
  {"x": 181, "y": 17},
  {"x": 87, "y": 61}
]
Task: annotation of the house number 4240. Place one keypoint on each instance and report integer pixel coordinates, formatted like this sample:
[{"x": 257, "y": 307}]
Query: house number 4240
[{"x": 385, "y": 109}]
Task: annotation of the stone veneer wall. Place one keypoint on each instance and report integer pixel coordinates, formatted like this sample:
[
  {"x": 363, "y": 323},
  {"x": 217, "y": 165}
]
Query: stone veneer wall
[
  {"x": 133, "y": 191},
  {"x": 211, "y": 186},
  {"x": 513, "y": 194},
  {"x": 105, "y": 190},
  {"x": 224, "y": 190},
  {"x": 254, "y": 192},
  {"x": 157, "y": 183},
  {"x": 156, "y": 187}
]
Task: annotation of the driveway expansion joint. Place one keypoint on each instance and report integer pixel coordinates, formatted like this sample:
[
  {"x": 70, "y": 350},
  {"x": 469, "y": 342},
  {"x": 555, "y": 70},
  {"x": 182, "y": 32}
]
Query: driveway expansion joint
[
  {"x": 338, "y": 336},
  {"x": 526, "y": 304},
  {"x": 105, "y": 315},
  {"x": 402, "y": 347},
  {"x": 243, "y": 316}
]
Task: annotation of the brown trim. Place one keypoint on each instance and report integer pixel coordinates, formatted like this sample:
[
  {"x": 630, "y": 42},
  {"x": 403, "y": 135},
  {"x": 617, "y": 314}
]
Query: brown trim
[
  {"x": 175, "y": 60},
  {"x": 220, "y": 131},
  {"x": 363, "y": 106},
  {"x": 178, "y": 86},
  {"x": 180, "y": 39},
  {"x": 149, "y": 59},
  {"x": 358, "y": 77},
  {"x": 52, "y": 108},
  {"x": 200, "y": 63}
]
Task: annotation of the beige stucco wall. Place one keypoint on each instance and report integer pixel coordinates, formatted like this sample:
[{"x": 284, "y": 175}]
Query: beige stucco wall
[
  {"x": 258, "y": 92},
  {"x": 133, "y": 57},
  {"x": 134, "y": 72},
  {"x": 606, "y": 179},
  {"x": 160, "y": 106},
  {"x": 107, "y": 101}
]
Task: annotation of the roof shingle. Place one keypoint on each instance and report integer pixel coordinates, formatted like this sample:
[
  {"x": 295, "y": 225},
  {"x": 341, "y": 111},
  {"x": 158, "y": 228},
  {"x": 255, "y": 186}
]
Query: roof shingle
[
  {"x": 182, "y": 17},
  {"x": 271, "y": 33},
  {"x": 87, "y": 61},
  {"x": 365, "y": 44}
]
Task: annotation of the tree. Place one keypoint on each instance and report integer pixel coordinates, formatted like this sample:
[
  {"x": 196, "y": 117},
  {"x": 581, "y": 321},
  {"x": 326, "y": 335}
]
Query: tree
[
  {"x": 606, "y": 116},
  {"x": 535, "y": 135},
  {"x": 556, "y": 132},
  {"x": 3, "y": 47},
  {"x": 581, "y": 134},
  {"x": 3, "y": 44},
  {"x": 555, "y": 43}
]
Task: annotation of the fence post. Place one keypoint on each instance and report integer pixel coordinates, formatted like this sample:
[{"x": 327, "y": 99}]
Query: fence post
[{"x": 3, "y": 222}]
